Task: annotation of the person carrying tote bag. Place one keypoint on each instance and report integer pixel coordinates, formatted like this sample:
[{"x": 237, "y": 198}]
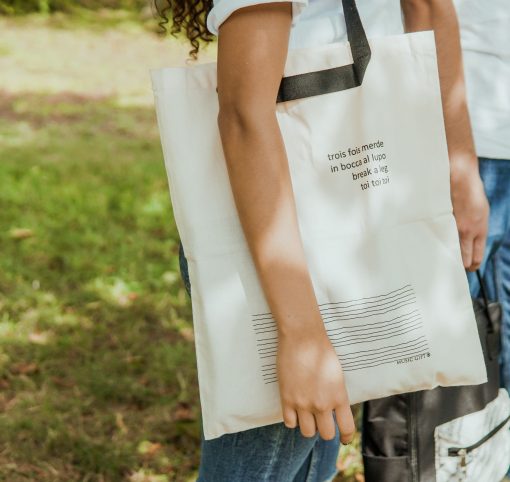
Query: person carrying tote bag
[{"x": 315, "y": 395}]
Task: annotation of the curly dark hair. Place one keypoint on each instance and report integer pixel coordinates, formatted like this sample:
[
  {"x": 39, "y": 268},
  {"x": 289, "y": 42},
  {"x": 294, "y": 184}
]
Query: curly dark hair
[{"x": 188, "y": 15}]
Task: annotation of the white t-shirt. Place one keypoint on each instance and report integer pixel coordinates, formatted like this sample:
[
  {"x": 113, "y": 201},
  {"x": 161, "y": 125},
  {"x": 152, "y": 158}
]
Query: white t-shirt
[
  {"x": 485, "y": 36},
  {"x": 319, "y": 22}
]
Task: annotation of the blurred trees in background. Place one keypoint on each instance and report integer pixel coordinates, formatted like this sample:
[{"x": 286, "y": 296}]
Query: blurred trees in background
[{"x": 17, "y": 7}]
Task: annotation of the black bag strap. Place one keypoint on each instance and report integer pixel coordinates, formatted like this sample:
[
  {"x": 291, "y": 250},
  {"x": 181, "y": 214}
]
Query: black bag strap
[
  {"x": 483, "y": 289},
  {"x": 338, "y": 78}
]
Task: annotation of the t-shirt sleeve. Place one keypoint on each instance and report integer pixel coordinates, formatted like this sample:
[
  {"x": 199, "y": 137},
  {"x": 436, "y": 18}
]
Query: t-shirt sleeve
[{"x": 223, "y": 8}]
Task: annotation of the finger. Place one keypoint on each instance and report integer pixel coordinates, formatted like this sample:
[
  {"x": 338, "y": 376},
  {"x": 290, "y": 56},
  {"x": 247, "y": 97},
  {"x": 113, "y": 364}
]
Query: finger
[
  {"x": 290, "y": 417},
  {"x": 345, "y": 422},
  {"x": 325, "y": 424},
  {"x": 307, "y": 423},
  {"x": 478, "y": 251},
  {"x": 466, "y": 249}
]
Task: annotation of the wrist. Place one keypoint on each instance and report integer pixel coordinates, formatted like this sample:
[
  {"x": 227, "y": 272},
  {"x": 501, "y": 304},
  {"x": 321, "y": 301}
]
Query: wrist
[
  {"x": 310, "y": 330},
  {"x": 463, "y": 165}
]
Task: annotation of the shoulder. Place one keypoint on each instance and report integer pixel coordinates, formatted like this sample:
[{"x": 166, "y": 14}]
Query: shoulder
[{"x": 223, "y": 8}]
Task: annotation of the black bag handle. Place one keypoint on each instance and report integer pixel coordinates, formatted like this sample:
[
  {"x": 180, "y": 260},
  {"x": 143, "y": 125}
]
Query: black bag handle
[
  {"x": 338, "y": 78},
  {"x": 483, "y": 290}
]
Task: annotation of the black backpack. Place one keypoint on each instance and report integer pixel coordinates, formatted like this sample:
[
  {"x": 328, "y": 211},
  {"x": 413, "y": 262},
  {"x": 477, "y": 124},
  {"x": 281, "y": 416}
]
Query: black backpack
[{"x": 398, "y": 435}]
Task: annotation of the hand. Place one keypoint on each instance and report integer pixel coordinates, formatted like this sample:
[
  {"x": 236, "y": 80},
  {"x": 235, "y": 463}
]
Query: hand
[
  {"x": 312, "y": 385},
  {"x": 471, "y": 211}
]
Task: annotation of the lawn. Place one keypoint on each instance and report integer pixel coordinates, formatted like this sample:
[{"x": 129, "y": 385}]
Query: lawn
[{"x": 97, "y": 366}]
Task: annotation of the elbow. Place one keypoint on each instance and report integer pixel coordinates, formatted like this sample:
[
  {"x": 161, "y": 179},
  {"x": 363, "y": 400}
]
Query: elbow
[
  {"x": 244, "y": 115},
  {"x": 234, "y": 118}
]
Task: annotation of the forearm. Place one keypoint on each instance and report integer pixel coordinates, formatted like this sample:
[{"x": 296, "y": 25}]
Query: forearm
[
  {"x": 261, "y": 185},
  {"x": 470, "y": 205},
  {"x": 440, "y": 16}
]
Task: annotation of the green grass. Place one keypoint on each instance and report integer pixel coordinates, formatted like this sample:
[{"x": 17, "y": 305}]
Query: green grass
[
  {"x": 96, "y": 350},
  {"x": 20, "y": 7}
]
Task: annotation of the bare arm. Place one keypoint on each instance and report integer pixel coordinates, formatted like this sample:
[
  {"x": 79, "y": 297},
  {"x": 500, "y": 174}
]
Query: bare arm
[
  {"x": 470, "y": 205},
  {"x": 252, "y": 49}
]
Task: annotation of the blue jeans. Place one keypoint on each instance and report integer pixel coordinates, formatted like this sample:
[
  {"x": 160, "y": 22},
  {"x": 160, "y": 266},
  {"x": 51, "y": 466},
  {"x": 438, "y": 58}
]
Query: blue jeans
[
  {"x": 271, "y": 453},
  {"x": 495, "y": 268}
]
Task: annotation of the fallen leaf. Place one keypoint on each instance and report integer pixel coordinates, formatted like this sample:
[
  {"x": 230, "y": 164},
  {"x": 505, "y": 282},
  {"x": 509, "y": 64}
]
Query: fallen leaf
[
  {"x": 119, "y": 421},
  {"x": 183, "y": 412},
  {"x": 141, "y": 476},
  {"x": 62, "y": 382},
  {"x": 20, "y": 233},
  {"x": 40, "y": 338},
  {"x": 146, "y": 447},
  {"x": 187, "y": 333},
  {"x": 24, "y": 368}
]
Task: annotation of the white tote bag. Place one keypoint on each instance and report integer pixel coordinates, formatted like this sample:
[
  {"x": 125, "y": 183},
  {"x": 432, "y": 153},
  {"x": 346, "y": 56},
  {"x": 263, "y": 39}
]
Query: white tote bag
[{"x": 364, "y": 135}]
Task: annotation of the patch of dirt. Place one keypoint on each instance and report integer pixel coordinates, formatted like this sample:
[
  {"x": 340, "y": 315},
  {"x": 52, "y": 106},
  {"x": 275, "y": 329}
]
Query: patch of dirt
[{"x": 11, "y": 110}]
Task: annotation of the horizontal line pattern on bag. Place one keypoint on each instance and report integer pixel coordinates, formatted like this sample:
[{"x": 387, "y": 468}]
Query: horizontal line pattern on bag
[{"x": 365, "y": 332}]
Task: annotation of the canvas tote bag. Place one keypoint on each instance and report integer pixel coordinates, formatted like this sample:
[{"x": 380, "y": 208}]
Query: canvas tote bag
[{"x": 364, "y": 135}]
